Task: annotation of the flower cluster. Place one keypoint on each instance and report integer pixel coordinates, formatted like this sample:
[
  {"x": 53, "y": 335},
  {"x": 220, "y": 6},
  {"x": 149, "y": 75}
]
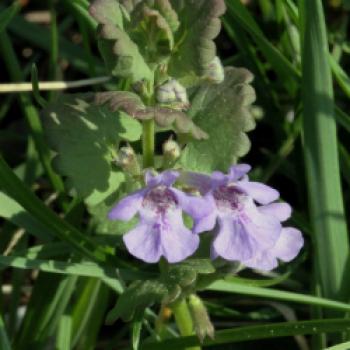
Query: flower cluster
[{"x": 243, "y": 215}]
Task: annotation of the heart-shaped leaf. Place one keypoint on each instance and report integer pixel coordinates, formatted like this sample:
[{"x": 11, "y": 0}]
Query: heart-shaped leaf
[
  {"x": 194, "y": 39},
  {"x": 223, "y": 111},
  {"x": 119, "y": 51},
  {"x": 86, "y": 137}
]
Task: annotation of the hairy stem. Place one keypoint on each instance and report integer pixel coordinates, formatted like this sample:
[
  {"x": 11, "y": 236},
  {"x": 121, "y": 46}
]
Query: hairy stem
[{"x": 148, "y": 143}]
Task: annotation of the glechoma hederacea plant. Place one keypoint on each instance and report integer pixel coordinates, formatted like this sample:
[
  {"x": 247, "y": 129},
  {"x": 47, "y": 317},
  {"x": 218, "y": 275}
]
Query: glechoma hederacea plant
[{"x": 179, "y": 208}]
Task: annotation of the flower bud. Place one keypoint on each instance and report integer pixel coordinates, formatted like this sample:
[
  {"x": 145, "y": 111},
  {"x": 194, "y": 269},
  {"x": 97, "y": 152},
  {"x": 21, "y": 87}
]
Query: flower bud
[
  {"x": 215, "y": 71},
  {"x": 127, "y": 160},
  {"x": 201, "y": 321},
  {"x": 171, "y": 150},
  {"x": 172, "y": 92}
]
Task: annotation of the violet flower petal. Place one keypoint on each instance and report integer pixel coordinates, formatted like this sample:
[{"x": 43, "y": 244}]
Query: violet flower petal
[
  {"x": 177, "y": 241},
  {"x": 127, "y": 208},
  {"x": 265, "y": 229},
  {"x": 166, "y": 178},
  {"x": 262, "y": 262},
  {"x": 286, "y": 249},
  {"x": 232, "y": 241},
  {"x": 196, "y": 207},
  {"x": 288, "y": 245},
  {"x": 237, "y": 171},
  {"x": 261, "y": 193},
  {"x": 281, "y": 211},
  {"x": 144, "y": 242},
  {"x": 200, "y": 181},
  {"x": 206, "y": 223}
]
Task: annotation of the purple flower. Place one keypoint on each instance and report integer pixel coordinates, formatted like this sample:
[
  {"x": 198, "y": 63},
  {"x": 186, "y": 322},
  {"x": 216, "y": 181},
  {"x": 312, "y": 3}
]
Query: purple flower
[
  {"x": 160, "y": 231},
  {"x": 244, "y": 231}
]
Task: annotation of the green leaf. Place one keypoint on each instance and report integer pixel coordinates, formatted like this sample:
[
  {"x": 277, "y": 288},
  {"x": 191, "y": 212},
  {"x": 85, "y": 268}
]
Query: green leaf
[
  {"x": 165, "y": 8},
  {"x": 160, "y": 42},
  {"x": 238, "y": 288},
  {"x": 194, "y": 41},
  {"x": 136, "y": 330},
  {"x": 119, "y": 51},
  {"x": 223, "y": 111},
  {"x": 321, "y": 155},
  {"x": 85, "y": 269},
  {"x": 105, "y": 226},
  {"x": 7, "y": 14},
  {"x": 180, "y": 279},
  {"x": 12, "y": 211},
  {"x": 51, "y": 295},
  {"x": 88, "y": 292},
  {"x": 287, "y": 73},
  {"x": 61, "y": 229},
  {"x": 64, "y": 333},
  {"x": 341, "y": 346},
  {"x": 138, "y": 296},
  {"x": 107, "y": 12},
  {"x": 4, "y": 340},
  {"x": 131, "y": 104},
  {"x": 202, "y": 266},
  {"x": 249, "y": 333},
  {"x": 86, "y": 138}
]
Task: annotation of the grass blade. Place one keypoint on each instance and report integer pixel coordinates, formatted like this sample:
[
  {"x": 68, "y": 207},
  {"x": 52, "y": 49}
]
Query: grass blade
[
  {"x": 61, "y": 228},
  {"x": 229, "y": 287},
  {"x": 64, "y": 333},
  {"x": 4, "y": 340},
  {"x": 227, "y": 336},
  {"x": 7, "y": 14},
  {"x": 286, "y": 71},
  {"x": 29, "y": 111},
  {"x": 342, "y": 346},
  {"x": 83, "y": 308},
  {"x": 321, "y": 154}
]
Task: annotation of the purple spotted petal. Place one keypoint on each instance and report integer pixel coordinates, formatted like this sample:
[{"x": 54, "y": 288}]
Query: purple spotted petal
[
  {"x": 281, "y": 211},
  {"x": 144, "y": 242},
  {"x": 239, "y": 170},
  {"x": 289, "y": 244},
  {"x": 177, "y": 241},
  {"x": 259, "y": 192},
  {"x": 161, "y": 236},
  {"x": 127, "y": 208},
  {"x": 232, "y": 241}
]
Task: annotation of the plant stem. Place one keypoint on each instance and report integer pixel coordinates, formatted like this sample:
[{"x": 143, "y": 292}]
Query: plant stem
[
  {"x": 148, "y": 134},
  {"x": 184, "y": 320},
  {"x": 148, "y": 143}
]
